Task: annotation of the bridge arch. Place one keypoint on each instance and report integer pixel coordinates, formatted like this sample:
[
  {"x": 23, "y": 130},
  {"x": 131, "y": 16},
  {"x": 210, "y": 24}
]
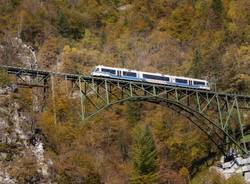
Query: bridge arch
[{"x": 211, "y": 129}]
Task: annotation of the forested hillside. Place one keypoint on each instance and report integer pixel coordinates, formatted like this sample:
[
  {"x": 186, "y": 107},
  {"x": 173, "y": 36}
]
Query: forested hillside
[{"x": 131, "y": 142}]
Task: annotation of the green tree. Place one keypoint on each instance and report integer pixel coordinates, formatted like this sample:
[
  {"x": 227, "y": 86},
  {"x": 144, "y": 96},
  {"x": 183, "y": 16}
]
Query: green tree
[
  {"x": 196, "y": 66},
  {"x": 63, "y": 27},
  {"x": 93, "y": 178},
  {"x": 133, "y": 112},
  {"x": 4, "y": 78},
  {"x": 144, "y": 157},
  {"x": 217, "y": 6}
]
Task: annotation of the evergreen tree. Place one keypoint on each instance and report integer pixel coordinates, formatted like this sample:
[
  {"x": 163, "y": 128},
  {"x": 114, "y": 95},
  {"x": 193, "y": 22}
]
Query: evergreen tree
[
  {"x": 63, "y": 27},
  {"x": 123, "y": 145},
  {"x": 144, "y": 157},
  {"x": 133, "y": 112},
  {"x": 93, "y": 178},
  {"x": 217, "y": 6},
  {"x": 4, "y": 78},
  {"x": 196, "y": 66}
]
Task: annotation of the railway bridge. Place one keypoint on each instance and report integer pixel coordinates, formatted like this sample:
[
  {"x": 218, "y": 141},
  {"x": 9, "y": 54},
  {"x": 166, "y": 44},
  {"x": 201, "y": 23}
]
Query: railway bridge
[{"x": 221, "y": 116}]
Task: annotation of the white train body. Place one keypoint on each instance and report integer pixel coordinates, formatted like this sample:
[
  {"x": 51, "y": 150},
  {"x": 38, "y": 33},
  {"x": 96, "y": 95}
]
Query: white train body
[{"x": 156, "y": 78}]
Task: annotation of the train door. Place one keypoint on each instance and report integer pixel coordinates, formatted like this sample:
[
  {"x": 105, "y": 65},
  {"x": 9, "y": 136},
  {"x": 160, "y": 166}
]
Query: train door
[
  {"x": 119, "y": 73},
  {"x": 190, "y": 83}
]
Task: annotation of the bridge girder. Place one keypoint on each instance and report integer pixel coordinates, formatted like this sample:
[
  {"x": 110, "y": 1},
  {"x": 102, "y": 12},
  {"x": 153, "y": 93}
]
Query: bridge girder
[{"x": 211, "y": 112}]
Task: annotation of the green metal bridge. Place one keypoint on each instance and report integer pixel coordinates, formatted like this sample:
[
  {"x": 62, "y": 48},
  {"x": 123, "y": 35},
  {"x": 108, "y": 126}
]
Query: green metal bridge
[{"x": 214, "y": 113}]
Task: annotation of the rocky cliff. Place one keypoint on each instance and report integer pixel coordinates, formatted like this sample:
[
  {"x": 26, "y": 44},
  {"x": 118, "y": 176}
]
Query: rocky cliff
[{"x": 21, "y": 142}]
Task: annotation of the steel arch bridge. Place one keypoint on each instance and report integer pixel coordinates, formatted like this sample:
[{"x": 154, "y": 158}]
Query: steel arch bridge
[{"x": 219, "y": 115}]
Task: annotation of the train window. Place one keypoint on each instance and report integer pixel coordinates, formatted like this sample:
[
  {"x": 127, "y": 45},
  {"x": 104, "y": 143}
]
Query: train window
[
  {"x": 199, "y": 83},
  {"x": 183, "y": 81},
  {"x": 130, "y": 74},
  {"x": 108, "y": 70},
  {"x": 155, "y": 77},
  {"x": 97, "y": 70},
  {"x": 165, "y": 78}
]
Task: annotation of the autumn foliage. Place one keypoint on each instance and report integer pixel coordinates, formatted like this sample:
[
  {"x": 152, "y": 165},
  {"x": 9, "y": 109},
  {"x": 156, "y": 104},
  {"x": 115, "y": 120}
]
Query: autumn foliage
[{"x": 131, "y": 142}]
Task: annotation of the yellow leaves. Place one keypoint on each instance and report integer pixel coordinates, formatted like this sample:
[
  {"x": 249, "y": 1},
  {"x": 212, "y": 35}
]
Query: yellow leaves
[
  {"x": 212, "y": 176},
  {"x": 174, "y": 141},
  {"x": 24, "y": 98},
  {"x": 238, "y": 11},
  {"x": 139, "y": 19},
  {"x": 60, "y": 134},
  {"x": 180, "y": 22},
  {"x": 163, "y": 25},
  {"x": 82, "y": 60},
  {"x": 194, "y": 152},
  {"x": 244, "y": 53},
  {"x": 236, "y": 179},
  {"x": 184, "y": 172},
  {"x": 232, "y": 27},
  {"x": 24, "y": 167},
  {"x": 233, "y": 11},
  {"x": 217, "y": 38},
  {"x": 47, "y": 119},
  {"x": 75, "y": 59},
  {"x": 66, "y": 48},
  {"x": 66, "y": 134},
  {"x": 49, "y": 52},
  {"x": 241, "y": 82},
  {"x": 238, "y": 15},
  {"x": 238, "y": 57},
  {"x": 90, "y": 40},
  {"x": 201, "y": 7}
]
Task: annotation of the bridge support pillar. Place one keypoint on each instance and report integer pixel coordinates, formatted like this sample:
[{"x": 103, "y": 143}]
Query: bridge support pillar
[
  {"x": 53, "y": 98},
  {"x": 82, "y": 99}
]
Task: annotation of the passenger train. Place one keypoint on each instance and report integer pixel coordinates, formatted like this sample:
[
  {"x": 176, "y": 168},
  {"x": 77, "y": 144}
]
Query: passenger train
[{"x": 156, "y": 78}]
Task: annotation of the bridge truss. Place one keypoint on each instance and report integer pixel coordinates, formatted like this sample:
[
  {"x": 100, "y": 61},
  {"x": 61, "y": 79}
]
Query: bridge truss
[{"x": 221, "y": 116}]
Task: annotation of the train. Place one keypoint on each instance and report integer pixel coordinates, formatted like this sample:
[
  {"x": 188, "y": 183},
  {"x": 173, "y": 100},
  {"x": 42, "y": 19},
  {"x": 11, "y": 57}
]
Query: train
[{"x": 155, "y": 78}]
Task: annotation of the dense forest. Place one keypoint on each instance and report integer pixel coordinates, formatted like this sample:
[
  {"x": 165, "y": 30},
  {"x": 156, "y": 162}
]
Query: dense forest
[{"x": 137, "y": 143}]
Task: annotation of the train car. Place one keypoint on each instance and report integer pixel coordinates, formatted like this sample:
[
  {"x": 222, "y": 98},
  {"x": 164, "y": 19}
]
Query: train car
[
  {"x": 121, "y": 73},
  {"x": 156, "y": 78}
]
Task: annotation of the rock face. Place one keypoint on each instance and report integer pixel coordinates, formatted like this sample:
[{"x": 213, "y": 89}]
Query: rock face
[
  {"x": 22, "y": 153},
  {"x": 237, "y": 165},
  {"x": 22, "y": 158},
  {"x": 15, "y": 52}
]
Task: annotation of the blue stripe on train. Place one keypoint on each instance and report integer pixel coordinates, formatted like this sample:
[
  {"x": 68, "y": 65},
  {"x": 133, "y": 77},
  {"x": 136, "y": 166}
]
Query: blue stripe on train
[
  {"x": 124, "y": 77},
  {"x": 139, "y": 79}
]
